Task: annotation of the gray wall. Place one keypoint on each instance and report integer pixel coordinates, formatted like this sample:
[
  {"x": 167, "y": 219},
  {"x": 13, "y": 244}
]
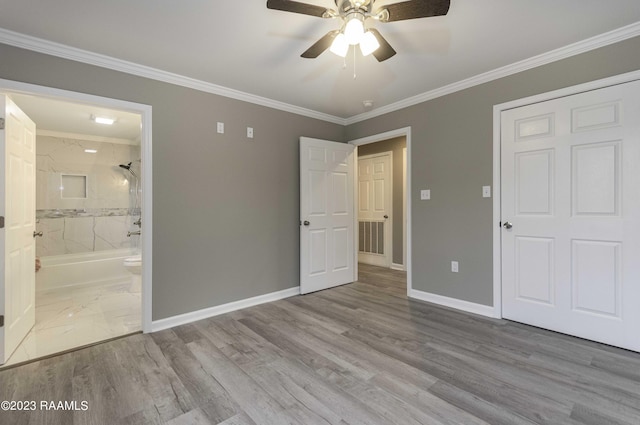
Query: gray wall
[
  {"x": 225, "y": 209},
  {"x": 394, "y": 145},
  {"x": 451, "y": 143}
]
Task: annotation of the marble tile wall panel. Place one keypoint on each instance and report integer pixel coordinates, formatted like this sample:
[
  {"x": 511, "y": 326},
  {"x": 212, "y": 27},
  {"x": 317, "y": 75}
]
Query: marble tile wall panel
[
  {"x": 72, "y": 235},
  {"x": 52, "y": 240},
  {"x": 78, "y": 234},
  {"x": 100, "y": 221},
  {"x": 111, "y": 233},
  {"x": 108, "y": 185}
]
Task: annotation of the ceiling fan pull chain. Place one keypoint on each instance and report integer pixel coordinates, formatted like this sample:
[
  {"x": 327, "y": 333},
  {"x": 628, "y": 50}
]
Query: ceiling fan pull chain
[{"x": 354, "y": 62}]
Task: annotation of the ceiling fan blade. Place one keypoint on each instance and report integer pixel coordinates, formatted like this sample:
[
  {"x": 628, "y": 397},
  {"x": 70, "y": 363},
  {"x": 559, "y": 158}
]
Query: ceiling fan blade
[
  {"x": 321, "y": 45},
  {"x": 413, "y": 9},
  {"x": 385, "y": 51},
  {"x": 297, "y": 7}
]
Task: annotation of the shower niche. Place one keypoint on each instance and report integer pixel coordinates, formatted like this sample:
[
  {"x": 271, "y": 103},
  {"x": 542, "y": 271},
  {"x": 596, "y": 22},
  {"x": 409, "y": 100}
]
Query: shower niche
[{"x": 73, "y": 186}]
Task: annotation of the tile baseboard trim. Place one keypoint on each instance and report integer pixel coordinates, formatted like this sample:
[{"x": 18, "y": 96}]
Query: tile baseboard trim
[
  {"x": 469, "y": 307},
  {"x": 205, "y": 313}
]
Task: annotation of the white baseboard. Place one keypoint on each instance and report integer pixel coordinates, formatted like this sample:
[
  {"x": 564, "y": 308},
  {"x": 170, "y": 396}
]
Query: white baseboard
[
  {"x": 469, "y": 307},
  {"x": 396, "y": 266},
  {"x": 182, "y": 319}
]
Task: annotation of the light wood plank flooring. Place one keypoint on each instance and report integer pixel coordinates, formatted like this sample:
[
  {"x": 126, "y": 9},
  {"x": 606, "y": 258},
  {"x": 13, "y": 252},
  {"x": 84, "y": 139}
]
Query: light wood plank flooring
[{"x": 358, "y": 354}]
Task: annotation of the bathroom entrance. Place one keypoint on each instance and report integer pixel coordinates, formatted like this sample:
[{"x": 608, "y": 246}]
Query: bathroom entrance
[{"x": 89, "y": 222}]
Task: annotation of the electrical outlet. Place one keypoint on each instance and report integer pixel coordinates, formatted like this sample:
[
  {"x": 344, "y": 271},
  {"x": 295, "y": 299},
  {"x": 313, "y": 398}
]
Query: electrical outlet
[
  {"x": 486, "y": 191},
  {"x": 425, "y": 194},
  {"x": 250, "y": 132},
  {"x": 454, "y": 267},
  {"x": 221, "y": 127}
]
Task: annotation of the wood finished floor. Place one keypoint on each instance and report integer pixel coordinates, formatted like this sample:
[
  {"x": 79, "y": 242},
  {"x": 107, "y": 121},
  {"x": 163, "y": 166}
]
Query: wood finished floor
[{"x": 358, "y": 354}]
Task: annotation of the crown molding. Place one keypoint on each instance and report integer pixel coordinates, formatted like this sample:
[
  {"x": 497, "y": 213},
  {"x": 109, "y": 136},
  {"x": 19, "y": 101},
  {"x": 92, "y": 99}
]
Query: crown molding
[
  {"x": 67, "y": 52},
  {"x": 592, "y": 43}
]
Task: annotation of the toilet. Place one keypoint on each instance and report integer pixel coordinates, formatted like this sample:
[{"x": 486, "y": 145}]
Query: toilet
[{"x": 134, "y": 264}]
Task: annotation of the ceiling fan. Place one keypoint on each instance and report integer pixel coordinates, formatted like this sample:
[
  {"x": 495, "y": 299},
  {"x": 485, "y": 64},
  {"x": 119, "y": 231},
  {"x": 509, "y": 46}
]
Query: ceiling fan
[{"x": 354, "y": 14}]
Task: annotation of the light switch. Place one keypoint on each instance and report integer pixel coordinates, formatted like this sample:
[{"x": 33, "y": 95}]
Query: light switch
[
  {"x": 425, "y": 194},
  {"x": 250, "y": 132},
  {"x": 221, "y": 127},
  {"x": 486, "y": 191}
]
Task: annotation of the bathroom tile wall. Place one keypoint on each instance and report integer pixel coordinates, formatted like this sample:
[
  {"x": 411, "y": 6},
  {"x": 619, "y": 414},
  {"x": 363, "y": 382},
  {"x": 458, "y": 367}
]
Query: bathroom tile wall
[{"x": 95, "y": 223}]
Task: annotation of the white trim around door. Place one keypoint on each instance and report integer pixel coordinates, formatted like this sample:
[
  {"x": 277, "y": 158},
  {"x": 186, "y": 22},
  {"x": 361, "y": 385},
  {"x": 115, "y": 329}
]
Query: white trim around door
[
  {"x": 405, "y": 213},
  {"x": 497, "y": 196},
  {"x": 406, "y": 132},
  {"x": 8, "y": 86}
]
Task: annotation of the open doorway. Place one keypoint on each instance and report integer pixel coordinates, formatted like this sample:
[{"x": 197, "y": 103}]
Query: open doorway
[
  {"x": 90, "y": 207},
  {"x": 382, "y": 205}
]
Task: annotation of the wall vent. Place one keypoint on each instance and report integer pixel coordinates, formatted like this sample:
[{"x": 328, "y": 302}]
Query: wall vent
[{"x": 371, "y": 235}]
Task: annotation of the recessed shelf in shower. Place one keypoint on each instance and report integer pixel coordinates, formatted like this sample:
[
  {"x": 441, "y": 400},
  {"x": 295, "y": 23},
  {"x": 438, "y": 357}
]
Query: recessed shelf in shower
[{"x": 73, "y": 186}]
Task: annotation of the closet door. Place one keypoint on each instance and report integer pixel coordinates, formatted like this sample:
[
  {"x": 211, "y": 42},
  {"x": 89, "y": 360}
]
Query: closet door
[{"x": 571, "y": 215}]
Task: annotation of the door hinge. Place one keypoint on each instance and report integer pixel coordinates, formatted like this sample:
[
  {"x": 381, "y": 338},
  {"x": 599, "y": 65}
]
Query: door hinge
[
  {"x": 1, "y": 222},
  {"x": 1, "y": 321},
  {"x": 1, "y": 123}
]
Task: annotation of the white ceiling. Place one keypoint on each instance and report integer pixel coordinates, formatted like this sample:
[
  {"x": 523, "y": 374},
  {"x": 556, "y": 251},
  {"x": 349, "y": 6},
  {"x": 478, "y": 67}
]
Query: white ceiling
[
  {"x": 67, "y": 119},
  {"x": 241, "y": 45}
]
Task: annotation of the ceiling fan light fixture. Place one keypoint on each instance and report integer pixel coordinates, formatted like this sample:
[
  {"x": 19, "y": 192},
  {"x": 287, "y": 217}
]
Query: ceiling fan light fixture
[
  {"x": 369, "y": 43},
  {"x": 354, "y": 30},
  {"x": 353, "y": 14},
  {"x": 340, "y": 46}
]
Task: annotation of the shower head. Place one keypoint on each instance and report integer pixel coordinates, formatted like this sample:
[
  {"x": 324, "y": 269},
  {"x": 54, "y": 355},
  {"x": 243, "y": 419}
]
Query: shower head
[{"x": 128, "y": 168}]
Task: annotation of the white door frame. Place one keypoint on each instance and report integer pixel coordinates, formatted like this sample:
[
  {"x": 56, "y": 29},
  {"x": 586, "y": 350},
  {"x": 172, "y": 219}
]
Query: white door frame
[
  {"x": 388, "y": 229},
  {"x": 497, "y": 183},
  {"x": 405, "y": 213},
  {"x": 406, "y": 132},
  {"x": 8, "y": 86}
]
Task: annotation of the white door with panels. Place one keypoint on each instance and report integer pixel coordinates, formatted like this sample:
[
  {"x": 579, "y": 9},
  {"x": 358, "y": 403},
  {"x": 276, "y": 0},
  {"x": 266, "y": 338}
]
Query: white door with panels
[
  {"x": 571, "y": 215},
  {"x": 18, "y": 209},
  {"x": 374, "y": 209},
  {"x": 326, "y": 214}
]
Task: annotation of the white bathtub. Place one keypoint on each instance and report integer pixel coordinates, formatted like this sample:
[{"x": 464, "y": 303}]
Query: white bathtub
[{"x": 81, "y": 269}]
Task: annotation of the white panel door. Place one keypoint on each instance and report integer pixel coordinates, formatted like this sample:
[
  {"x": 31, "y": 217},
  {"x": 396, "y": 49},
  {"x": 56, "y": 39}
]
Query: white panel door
[
  {"x": 374, "y": 209},
  {"x": 326, "y": 214},
  {"x": 571, "y": 215},
  {"x": 17, "y": 205}
]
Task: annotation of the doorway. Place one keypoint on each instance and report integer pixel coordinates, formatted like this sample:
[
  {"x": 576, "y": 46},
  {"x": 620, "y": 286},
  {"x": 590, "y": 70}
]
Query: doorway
[
  {"x": 83, "y": 287},
  {"x": 398, "y": 223},
  {"x": 375, "y": 209}
]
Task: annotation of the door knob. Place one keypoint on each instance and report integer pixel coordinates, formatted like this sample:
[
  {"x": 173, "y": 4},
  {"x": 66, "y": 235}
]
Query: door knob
[
  {"x": 306, "y": 223},
  {"x": 386, "y": 216},
  {"x": 37, "y": 233},
  {"x": 507, "y": 225}
]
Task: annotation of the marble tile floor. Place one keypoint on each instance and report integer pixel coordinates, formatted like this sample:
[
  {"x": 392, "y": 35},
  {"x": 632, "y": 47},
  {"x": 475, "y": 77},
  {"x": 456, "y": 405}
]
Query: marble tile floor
[{"x": 80, "y": 315}]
